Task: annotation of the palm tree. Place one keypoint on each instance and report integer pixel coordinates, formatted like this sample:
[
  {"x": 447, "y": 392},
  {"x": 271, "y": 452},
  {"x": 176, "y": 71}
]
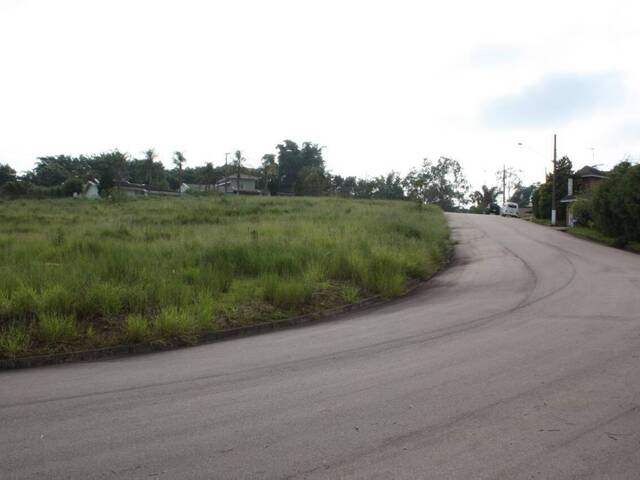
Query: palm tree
[
  {"x": 485, "y": 197},
  {"x": 149, "y": 157},
  {"x": 179, "y": 160},
  {"x": 237, "y": 161}
]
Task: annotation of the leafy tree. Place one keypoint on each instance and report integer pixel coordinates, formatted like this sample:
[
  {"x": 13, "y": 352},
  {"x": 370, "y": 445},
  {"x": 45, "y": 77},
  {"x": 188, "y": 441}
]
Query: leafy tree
[
  {"x": 389, "y": 187},
  {"x": 510, "y": 178},
  {"x": 442, "y": 183},
  {"x": 616, "y": 204},
  {"x": 269, "y": 174},
  {"x": 364, "y": 188},
  {"x": 7, "y": 174},
  {"x": 542, "y": 196},
  {"x": 522, "y": 194},
  {"x": 292, "y": 161},
  {"x": 311, "y": 181},
  {"x": 289, "y": 165},
  {"x": 71, "y": 186}
]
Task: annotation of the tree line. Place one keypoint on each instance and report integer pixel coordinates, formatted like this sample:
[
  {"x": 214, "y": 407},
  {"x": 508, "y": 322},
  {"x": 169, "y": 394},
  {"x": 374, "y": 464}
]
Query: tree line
[{"x": 293, "y": 170}]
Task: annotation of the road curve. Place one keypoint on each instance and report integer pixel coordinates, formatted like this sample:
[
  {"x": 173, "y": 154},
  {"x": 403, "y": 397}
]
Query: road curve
[{"x": 520, "y": 361}]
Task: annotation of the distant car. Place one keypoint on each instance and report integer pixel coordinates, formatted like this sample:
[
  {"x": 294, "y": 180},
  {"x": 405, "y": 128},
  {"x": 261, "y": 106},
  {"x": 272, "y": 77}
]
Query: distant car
[
  {"x": 492, "y": 208},
  {"x": 509, "y": 209}
]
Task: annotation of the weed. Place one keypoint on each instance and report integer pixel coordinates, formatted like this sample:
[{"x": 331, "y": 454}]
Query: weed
[
  {"x": 14, "y": 340},
  {"x": 137, "y": 329},
  {"x": 57, "y": 328}
]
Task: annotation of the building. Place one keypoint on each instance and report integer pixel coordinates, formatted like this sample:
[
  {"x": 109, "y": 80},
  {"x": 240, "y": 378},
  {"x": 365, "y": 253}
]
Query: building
[
  {"x": 245, "y": 186},
  {"x": 91, "y": 189},
  {"x": 581, "y": 183},
  {"x": 140, "y": 189},
  {"x": 197, "y": 187}
]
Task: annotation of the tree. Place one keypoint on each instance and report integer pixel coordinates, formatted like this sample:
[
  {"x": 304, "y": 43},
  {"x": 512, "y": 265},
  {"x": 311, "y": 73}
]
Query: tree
[
  {"x": 149, "y": 159},
  {"x": 616, "y": 204},
  {"x": 238, "y": 160},
  {"x": 179, "y": 160},
  {"x": 485, "y": 197},
  {"x": 509, "y": 179},
  {"x": 389, "y": 186},
  {"x": 7, "y": 174},
  {"x": 522, "y": 194},
  {"x": 442, "y": 183},
  {"x": 288, "y": 164},
  {"x": 270, "y": 173},
  {"x": 542, "y": 196}
]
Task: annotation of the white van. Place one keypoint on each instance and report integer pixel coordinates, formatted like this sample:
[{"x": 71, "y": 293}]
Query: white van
[{"x": 509, "y": 209}]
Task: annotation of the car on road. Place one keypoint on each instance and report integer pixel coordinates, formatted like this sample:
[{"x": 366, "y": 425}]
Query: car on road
[
  {"x": 492, "y": 208},
  {"x": 509, "y": 209}
]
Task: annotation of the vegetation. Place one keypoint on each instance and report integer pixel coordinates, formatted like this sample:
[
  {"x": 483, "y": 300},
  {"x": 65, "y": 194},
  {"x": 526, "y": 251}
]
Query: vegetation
[
  {"x": 295, "y": 170},
  {"x": 542, "y": 196},
  {"x": 616, "y": 204},
  {"x": 77, "y": 274}
]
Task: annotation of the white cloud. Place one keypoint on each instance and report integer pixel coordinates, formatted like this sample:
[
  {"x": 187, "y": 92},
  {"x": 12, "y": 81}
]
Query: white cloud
[{"x": 382, "y": 84}]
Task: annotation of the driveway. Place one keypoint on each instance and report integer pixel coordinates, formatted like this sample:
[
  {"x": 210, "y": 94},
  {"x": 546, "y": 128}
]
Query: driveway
[{"x": 522, "y": 360}]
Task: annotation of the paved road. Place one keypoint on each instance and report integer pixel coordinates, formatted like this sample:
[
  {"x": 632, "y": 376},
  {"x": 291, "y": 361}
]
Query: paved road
[{"x": 520, "y": 361}]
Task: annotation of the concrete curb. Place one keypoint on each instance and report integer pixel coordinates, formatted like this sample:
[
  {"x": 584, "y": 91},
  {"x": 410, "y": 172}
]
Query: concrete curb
[{"x": 214, "y": 336}]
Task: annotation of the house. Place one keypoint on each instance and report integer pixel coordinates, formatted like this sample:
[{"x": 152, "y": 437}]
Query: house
[
  {"x": 197, "y": 187},
  {"x": 131, "y": 189},
  {"x": 245, "y": 186},
  {"x": 581, "y": 183},
  {"x": 139, "y": 189},
  {"x": 91, "y": 189}
]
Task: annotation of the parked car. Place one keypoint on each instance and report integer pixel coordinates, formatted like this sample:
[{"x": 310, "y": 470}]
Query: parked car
[
  {"x": 492, "y": 208},
  {"x": 509, "y": 209}
]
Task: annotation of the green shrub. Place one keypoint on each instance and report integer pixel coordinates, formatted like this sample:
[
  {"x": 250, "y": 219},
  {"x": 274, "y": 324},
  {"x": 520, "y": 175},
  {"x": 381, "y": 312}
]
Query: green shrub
[
  {"x": 57, "y": 328},
  {"x": 286, "y": 293},
  {"x": 349, "y": 293},
  {"x": 136, "y": 329},
  {"x": 582, "y": 210},
  {"x": 172, "y": 322},
  {"x": 616, "y": 204},
  {"x": 14, "y": 340}
]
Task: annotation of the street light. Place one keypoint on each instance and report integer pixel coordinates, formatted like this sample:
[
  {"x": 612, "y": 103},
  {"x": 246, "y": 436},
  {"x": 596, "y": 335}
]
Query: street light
[{"x": 553, "y": 178}]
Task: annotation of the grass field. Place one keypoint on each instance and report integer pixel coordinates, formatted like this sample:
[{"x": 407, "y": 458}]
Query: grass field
[
  {"x": 77, "y": 274},
  {"x": 595, "y": 235}
]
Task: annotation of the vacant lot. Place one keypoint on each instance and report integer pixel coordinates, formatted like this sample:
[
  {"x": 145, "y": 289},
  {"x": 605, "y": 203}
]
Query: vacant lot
[{"x": 76, "y": 274}]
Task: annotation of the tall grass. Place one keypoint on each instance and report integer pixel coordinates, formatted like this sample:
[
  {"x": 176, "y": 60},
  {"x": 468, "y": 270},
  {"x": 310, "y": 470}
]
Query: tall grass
[{"x": 139, "y": 269}]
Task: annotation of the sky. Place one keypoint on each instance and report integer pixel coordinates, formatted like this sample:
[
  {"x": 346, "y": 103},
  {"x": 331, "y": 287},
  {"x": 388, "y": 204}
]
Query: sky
[{"x": 381, "y": 84}]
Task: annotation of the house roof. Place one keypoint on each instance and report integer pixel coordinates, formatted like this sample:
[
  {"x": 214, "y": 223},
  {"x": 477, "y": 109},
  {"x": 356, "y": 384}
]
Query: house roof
[
  {"x": 587, "y": 171},
  {"x": 234, "y": 177}
]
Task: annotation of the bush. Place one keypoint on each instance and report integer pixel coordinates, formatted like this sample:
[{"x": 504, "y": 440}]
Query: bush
[
  {"x": 172, "y": 322},
  {"x": 616, "y": 204},
  {"x": 582, "y": 210},
  {"x": 57, "y": 328},
  {"x": 14, "y": 340},
  {"x": 136, "y": 329},
  {"x": 71, "y": 186}
]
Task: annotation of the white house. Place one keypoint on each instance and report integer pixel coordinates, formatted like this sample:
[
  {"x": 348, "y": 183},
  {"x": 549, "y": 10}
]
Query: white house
[
  {"x": 91, "y": 189},
  {"x": 230, "y": 184}
]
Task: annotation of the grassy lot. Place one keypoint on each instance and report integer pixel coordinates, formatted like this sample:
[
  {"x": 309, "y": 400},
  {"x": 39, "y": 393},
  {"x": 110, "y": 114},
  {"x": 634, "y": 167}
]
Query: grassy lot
[
  {"x": 593, "y": 234},
  {"x": 77, "y": 274}
]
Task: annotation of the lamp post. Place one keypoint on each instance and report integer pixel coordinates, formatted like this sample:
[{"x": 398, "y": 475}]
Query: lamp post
[{"x": 553, "y": 178}]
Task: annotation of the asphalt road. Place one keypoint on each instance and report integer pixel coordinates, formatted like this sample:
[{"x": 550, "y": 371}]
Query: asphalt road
[{"x": 520, "y": 361}]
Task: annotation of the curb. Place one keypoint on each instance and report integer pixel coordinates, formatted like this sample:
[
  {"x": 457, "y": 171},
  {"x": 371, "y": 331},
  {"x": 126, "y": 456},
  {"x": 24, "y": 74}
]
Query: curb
[{"x": 214, "y": 336}]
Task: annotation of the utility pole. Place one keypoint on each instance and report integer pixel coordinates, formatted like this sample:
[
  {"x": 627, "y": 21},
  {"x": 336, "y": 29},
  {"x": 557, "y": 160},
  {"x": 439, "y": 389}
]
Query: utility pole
[
  {"x": 553, "y": 189},
  {"x": 226, "y": 175}
]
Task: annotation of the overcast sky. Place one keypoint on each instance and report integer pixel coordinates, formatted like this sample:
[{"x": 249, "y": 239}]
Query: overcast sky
[{"x": 381, "y": 84}]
